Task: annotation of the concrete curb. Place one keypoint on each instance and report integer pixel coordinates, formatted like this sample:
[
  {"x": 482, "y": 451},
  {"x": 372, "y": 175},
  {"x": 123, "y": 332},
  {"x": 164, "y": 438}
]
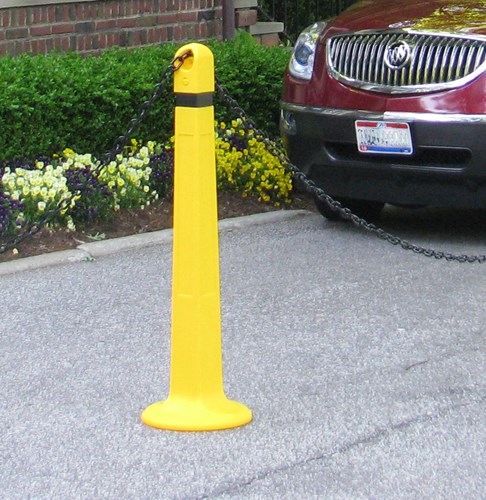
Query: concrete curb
[{"x": 88, "y": 251}]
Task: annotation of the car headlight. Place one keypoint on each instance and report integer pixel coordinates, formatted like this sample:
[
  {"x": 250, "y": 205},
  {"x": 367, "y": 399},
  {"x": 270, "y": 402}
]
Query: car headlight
[{"x": 302, "y": 61}]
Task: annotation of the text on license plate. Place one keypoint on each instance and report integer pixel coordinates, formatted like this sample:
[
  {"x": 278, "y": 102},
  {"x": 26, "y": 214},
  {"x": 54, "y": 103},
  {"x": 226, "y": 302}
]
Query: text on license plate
[{"x": 383, "y": 137}]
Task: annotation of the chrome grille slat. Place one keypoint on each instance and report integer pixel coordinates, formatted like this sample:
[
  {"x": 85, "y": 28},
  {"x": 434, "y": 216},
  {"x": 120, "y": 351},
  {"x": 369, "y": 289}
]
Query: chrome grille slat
[
  {"x": 361, "y": 56},
  {"x": 447, "y": 60},
  {"x": 420, "y": 58},
  {"x": 372, "y": 60},
  {"x": 471, "y": 58},
  {"x": 381, "y": 51},
  {"x": 452, "y": 63},
  {"x": 437, "y": 61},
  {"x": 366, "y": 57},
  {"x": 481, "y": 55},
  {"x": 353, "y": 63},
  {"x": 347, "y": 58},
  {"x": 431, "y": 61},
  {"x": 338, "y": 53},
  {"x": 460, "y": 63}
]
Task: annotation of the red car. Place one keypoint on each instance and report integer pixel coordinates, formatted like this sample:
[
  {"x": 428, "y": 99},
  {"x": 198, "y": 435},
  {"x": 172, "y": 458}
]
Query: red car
[{"x": 386, "y": 103}]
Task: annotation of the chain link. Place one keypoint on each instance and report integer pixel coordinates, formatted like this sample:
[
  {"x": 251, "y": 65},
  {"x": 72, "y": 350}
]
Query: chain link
[
  {"x": 118, "y": 146},
  {"x": 309, "y": 186}
]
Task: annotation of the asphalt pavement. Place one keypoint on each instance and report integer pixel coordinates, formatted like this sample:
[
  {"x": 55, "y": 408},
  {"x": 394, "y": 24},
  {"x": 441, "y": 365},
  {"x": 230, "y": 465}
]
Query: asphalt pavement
[{"x": 363, "y": 365}]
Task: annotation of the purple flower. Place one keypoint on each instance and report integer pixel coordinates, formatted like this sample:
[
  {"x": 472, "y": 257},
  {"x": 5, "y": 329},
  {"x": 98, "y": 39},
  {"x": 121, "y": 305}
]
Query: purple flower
[
  {"x": 8, "y": 210},
  {"x": 162, "y": 176},
  {"x": 96, "y": 197}
]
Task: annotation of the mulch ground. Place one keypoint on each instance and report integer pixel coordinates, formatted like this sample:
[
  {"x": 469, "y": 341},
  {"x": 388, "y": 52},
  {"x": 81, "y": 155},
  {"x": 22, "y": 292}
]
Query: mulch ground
[{"x": 127, "y": 222}]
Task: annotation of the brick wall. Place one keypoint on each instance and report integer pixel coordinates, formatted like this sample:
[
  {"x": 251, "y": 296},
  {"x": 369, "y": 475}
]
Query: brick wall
[{"x": 90, "y": 27}]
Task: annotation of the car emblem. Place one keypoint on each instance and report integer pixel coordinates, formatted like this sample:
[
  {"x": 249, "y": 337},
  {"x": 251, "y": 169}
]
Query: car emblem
[{"x": 398, "y": 55}]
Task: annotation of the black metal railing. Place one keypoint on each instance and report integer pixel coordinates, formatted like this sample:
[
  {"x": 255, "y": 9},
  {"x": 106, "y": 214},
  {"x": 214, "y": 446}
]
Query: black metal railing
[{"x": 298, "y": 14}]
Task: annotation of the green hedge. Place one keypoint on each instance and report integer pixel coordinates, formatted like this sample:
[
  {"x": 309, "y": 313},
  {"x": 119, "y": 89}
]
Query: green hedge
[{"x": 51, "y": 102}]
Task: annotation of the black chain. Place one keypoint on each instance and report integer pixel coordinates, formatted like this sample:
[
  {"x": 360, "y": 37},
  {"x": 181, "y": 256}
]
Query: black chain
[
  {"x": 345, "y": 213},
  {"x": 118, "y": 146}
]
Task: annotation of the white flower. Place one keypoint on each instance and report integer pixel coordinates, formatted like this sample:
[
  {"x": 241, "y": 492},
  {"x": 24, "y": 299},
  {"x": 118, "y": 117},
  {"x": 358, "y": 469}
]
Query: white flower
[{"x": 70, "y": 224}]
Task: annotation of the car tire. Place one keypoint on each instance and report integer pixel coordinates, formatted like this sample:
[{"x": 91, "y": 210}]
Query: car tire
[{"x": 367, "y": 210}]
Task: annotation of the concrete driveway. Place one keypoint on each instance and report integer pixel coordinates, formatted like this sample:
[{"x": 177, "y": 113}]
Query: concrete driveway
[{"x": 364, "y": 367}]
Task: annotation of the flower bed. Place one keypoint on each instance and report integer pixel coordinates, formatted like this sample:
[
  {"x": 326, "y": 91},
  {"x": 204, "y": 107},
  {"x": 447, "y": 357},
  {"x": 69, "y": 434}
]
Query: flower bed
[{"x": 74, "y": 188}]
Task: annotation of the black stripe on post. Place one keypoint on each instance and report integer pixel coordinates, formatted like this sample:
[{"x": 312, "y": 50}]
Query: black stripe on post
[{"x": 194, "y": 100}]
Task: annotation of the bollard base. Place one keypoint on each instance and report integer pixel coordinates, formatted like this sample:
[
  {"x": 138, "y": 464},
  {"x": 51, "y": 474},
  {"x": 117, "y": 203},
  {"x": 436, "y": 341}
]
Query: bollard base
[{"x": 188, "y": 415}]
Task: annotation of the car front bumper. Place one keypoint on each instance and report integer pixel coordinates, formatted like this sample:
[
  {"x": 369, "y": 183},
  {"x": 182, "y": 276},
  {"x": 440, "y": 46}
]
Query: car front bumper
[{"x": 447, "y": 168}]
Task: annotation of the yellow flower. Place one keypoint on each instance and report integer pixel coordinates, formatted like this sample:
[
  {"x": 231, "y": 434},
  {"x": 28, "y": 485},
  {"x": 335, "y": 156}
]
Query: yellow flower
[{"x": 68, "y": 153}]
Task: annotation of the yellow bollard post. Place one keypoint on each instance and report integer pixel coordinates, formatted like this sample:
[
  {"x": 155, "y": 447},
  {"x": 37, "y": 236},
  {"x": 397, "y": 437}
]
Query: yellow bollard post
[{"x": 196, "y": 400}]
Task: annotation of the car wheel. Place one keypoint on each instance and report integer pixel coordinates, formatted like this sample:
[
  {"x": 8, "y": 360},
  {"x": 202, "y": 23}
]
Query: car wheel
[{"x": 368, "y": 210}]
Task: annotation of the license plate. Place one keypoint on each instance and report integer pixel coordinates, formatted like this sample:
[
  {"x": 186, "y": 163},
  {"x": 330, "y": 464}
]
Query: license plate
[{"x": 384, "y": 137}]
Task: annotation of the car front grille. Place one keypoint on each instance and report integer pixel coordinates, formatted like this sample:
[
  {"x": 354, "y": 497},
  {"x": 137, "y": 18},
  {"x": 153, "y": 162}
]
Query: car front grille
[{"x": 405, "y": 62}]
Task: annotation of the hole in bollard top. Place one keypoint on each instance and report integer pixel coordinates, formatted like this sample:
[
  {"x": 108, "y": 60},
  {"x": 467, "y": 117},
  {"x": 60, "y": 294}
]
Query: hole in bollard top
[{"x": 185, "y": 59}]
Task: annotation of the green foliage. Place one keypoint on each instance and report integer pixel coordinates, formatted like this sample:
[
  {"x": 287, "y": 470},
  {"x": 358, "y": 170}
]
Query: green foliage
[
  {"x": 253, "y": 75},
  {"x": 51, "y": 102}
]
